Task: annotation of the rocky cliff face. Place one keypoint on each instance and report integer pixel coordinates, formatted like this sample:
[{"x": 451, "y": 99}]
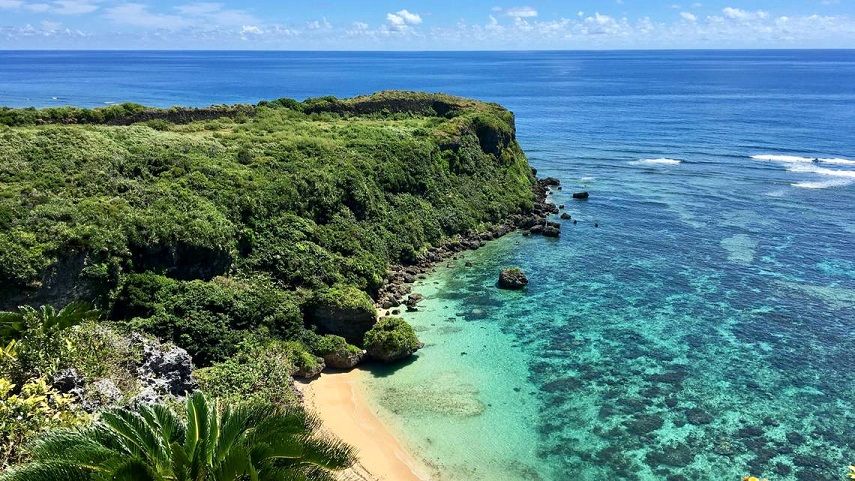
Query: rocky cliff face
[{"x": 302, "y": 195}]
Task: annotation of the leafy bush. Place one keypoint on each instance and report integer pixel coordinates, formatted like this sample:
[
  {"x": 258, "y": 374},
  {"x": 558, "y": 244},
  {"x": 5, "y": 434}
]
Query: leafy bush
[
  {"x": 99, "y": 350},
  {"x": 391, "y": 339},
  {"x": 27, "y": 412},
  {"x": 342, "y": 298},
  {"x": 329, "y": 344},
  {"x": 39, "y": 336},
  {"x": 259, "y": 371},
  {"x": 209, "y": 319}
]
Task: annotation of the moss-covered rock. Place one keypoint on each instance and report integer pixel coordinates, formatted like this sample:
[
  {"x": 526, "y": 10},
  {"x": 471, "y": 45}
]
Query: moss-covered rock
[
  {"x": 391, "y": 339},
  {"x": 337, "y": 352},
  {"x": 342, "y": 310},
  {"x": 513, "y": 278}
]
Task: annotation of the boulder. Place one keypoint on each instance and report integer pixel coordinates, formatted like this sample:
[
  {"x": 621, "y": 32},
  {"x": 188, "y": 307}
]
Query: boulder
[
  {"x": 344, "y": 358},
  {"x": 169, "y": 369},
  {"x": 551, "y": 231},
  {"x": 391, "y": 339},
  {"x": 565, "y": 216},
  {"x": 512, "y": 278},
  {"x": 413, "y": 300},
  {"x": 342, "y": 310},
  {"x": 69, "y": 381},
  {"x": 550, "y": 182},
  {"x": 102, "y": 392},
  {"x": 311, "y": 370},
  {"x": 580, "y": 195}
]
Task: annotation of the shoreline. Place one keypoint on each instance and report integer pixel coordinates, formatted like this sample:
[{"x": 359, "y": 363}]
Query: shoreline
[
  {"x": 396, "y": 290},
  {"x": 338, "y": 399}
]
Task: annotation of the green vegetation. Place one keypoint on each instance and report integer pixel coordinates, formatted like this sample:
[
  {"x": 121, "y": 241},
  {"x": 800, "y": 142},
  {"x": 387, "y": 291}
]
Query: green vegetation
[
  {"x": 34, "y": 409},
  {"x": 211, "y": 442},
  {"x": 253, "y": 236},
  {"x": 204, "y": 225},
  {"x": 259, "y": 371},
  {"x": 391, "y": 339}
]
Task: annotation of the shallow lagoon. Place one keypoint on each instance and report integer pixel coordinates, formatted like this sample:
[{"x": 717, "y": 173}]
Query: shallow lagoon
[{"x": 705, "y": 330}]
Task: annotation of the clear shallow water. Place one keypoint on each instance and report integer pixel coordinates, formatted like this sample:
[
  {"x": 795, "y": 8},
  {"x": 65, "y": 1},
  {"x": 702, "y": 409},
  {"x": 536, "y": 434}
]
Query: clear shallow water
[{"x": 703, "y": 331}]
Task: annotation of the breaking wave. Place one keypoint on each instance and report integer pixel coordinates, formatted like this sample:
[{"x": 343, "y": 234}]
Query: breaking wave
[{"x": 660, "y": 161}]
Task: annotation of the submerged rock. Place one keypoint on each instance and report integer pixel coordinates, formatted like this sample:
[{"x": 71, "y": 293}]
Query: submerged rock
[
  {"x": 565, "y": 216},
  {"x": 551, "y": 231},
  {"x": 512, "y": 278}
]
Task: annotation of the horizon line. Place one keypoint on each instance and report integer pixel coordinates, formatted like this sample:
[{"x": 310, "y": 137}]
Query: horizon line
[{"x": 704, "y": 49}]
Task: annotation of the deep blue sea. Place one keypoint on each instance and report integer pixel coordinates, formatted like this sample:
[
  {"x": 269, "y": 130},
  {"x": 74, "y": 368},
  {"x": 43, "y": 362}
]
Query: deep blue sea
[{"x": 696, "y": 323}]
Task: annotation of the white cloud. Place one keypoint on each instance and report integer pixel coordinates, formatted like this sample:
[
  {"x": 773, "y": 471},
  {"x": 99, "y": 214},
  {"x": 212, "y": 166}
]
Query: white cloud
[
  {"x": 521, "y": 12},
  {"x": 689, "y": 17},
  {"x": 321, "y": 24},
  {"x": 253, "y": 29},
  {"x": 57, "y": 7},
  {"x": 10, "y": 4},
  {"x": 37, "y": 7},
  {"x": 402, "y": 20},
  {"x": 201, "y": 15},
  {"x": 72, "y": 7},
  {"x": 743, "y": 15},
  {"x": 138, "y": 15}
]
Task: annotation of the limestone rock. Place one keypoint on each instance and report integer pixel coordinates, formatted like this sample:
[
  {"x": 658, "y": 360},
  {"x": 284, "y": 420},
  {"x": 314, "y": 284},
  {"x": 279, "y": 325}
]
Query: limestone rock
[{"x": 512, "y": 278}]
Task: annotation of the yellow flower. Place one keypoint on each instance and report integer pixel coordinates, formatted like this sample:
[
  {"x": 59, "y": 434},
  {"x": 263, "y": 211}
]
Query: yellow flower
[{"x": 852, "y": 472}]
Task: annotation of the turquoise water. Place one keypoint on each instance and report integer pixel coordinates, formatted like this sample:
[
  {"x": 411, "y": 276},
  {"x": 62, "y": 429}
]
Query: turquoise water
[{"x": 704, "y": 331}]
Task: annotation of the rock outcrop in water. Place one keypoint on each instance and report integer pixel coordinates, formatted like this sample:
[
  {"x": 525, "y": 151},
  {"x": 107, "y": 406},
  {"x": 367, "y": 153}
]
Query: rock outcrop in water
[
  {"x": 513, "y": 278},
  {"x": 391, "y": 339}
]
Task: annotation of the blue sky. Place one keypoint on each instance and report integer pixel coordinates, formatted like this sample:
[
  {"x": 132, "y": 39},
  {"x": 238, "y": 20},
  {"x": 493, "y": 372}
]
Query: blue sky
[{"x": 434, "y": 25}]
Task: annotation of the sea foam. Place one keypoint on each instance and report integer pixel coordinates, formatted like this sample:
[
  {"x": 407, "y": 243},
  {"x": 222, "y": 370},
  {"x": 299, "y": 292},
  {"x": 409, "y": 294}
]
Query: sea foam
[
  {"x": 659, "y": 161},
  {"x": 795, "y": 159},
  {"x": 813, "y": 169},
  {"x": 825, "y": 184},
  {"x": 837, "y": 161},
  {"x": 782, "y": 158}
]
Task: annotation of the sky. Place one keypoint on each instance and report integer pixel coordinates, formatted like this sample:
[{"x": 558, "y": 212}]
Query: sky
[{"x": 423, "y": 25}]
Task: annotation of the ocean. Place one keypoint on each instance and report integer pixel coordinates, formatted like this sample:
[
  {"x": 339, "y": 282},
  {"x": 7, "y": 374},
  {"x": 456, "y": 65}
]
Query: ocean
[{"x": 697, "y": 322}]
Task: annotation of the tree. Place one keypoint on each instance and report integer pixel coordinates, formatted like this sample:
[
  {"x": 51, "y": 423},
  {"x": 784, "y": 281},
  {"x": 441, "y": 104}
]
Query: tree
[
  {"x": 45, "y": 320},
  {"x": 37, "y": 334},
  {"x": 232, "y": 443}
]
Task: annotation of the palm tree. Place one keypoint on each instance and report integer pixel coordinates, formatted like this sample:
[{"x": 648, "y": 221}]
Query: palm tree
[
  {"x": 240, "y": 443},
  {"x": 45, "y": 320}
]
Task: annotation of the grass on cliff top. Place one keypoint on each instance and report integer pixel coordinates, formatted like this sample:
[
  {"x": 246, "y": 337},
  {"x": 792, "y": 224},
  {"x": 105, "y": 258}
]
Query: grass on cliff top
[{"x": 293, "y": 195}]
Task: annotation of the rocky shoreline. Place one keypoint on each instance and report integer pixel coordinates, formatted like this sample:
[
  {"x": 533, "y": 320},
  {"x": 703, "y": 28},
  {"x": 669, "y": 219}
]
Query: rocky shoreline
[{"x": 397, "y": 290}]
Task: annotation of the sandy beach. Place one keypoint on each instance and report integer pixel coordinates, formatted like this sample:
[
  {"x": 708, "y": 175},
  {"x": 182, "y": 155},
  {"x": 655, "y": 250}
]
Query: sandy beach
[{"x": 337, "y": 398}]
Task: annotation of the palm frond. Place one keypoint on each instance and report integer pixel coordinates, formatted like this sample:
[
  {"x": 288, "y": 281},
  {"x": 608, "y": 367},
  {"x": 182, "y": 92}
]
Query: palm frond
[{"x": 48, "y": 471}]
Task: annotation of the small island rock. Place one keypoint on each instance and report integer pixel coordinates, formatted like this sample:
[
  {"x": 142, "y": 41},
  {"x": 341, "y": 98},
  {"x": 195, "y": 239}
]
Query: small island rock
[
  {"x": 391, "y": 339},
  {"x": 512, "y": 278},
  {"x": 580, "y": 195}
]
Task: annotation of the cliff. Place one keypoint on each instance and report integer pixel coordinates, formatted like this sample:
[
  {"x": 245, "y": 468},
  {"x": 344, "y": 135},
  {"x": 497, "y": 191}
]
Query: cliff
[{"x": 200, "y": 224}]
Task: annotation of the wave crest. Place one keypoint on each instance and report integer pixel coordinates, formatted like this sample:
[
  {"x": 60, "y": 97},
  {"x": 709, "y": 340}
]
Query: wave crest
[
  {"x": 659, "y": 161},
  {"x": 825, "y": 184}
]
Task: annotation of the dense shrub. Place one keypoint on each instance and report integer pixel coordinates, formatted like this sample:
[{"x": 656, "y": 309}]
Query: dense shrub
[
  {"x": 258, "y": 371},
  {"x": 209, "y": 319},
  {"x": 391, "y": 339},
  {"x": 27, "y": 412}
]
